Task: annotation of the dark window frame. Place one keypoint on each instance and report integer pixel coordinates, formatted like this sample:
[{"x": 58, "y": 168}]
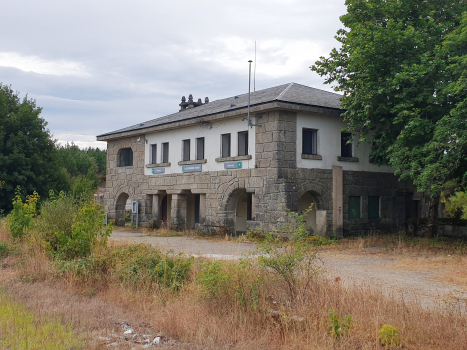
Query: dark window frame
[
  {"x": 165, "y": 152},
  {"x": 242, "y": 145},
  {"x": 346, "y": 148},
  {"x": 374, "y": 206},
  {"x": 197, "y": 208},
  {"x": 355, "y": 214},
  {"x": 198, "y": 151},
  {"x": 226, "y": 151},
  {"x": 310, "y": 147},
  {"x": 186, "y": 150},
  {"x": 154, "y": 154},
  {"x": 125, "y": 157}
]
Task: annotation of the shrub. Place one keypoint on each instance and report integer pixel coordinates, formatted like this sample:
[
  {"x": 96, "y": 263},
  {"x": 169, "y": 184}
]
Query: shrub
[
  {"x": 55, "y": 219},
  {"x": 20, "y": 219},
  {"x": 389, "y": 335},
  {"x": 142, "y": 267},
  {"x": 238, "y": 283},
  {"x": 339, "y": 326},
  {"x": 4, "y": 249},
  {"x": 87, "y": 231}
]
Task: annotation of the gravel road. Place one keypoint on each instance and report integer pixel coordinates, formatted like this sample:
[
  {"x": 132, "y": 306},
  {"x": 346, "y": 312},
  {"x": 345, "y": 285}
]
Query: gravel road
[{"x": 353, "y": 268}]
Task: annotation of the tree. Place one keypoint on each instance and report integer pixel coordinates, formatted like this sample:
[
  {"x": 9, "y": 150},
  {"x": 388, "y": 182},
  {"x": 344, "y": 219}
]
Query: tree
[
  {"x": 28, "y": 157},
  {"x": 392, "y": 70}
]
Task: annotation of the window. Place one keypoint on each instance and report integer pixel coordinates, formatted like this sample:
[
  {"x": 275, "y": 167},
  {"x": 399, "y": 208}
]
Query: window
[
  {"x": 197, "y": 207},
  {"x": 200, "y": 148},
  {"x": 249, "y": 206},
  {"x": 310, "y": 141},
  {"x": 346, "y": 148},
  {"x": 225, "y": 150},
  {"x": 354, "y": 207},
  {"x": 373, "y": 207},
  {"x": 186, "y": 150},
  {"x": 165, "y": 152},
  {"x": 243, "y": 143},
  {"x": 125, "y": 157},
  {"x": 153, "y": 154}
]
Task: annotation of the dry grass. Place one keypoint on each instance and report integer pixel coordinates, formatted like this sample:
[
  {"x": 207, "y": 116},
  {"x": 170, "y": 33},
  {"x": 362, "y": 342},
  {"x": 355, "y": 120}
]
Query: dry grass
[{"x": 222, "y": 323}]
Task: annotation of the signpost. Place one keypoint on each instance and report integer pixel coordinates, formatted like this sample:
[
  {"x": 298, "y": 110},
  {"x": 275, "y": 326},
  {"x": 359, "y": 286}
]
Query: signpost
[
  {"x": 192, "y": 168},
  {"x": 158, "y": 170},
  {"x": 233, "y": 165}
]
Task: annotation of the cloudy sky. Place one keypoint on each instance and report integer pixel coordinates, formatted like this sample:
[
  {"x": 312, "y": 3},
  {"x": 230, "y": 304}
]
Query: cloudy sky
[{"x": 97, "y": 66}]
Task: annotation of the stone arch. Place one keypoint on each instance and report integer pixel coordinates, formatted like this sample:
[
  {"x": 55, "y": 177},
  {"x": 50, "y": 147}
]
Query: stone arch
[
  {"x": 230, "y": 209},
  {"x": 120, "y": 209}
]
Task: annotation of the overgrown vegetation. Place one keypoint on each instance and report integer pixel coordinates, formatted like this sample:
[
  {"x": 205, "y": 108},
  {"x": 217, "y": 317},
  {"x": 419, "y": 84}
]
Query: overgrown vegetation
[{"x": 22, "y": 330}]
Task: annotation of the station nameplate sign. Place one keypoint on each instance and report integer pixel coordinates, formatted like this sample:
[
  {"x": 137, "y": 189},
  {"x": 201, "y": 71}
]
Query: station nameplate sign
[
  {"x": 191, "y": 168},
  {"x": 233, "y": 165},
  {"x": 158, "y": 170}
]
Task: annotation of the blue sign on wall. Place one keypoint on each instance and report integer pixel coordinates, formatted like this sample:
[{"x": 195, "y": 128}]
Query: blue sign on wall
[
  {"x": 191, "y": 168},
  {"x": 158, "y": 170},
  {"x": 233, "y": 165}
]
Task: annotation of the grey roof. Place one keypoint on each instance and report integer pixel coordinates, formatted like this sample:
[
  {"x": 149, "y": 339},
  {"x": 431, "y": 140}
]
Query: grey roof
[{"x": 292, "y": 93}]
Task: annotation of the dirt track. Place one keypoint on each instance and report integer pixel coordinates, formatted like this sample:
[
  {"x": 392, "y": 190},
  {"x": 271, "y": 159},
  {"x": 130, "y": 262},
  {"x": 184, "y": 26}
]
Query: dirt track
[{"x": 366, "y": 267}]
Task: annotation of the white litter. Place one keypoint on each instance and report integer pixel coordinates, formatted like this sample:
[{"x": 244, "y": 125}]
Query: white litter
[
  {"x": 157, "y": 340},
  {"x": 130, "y": 331}
]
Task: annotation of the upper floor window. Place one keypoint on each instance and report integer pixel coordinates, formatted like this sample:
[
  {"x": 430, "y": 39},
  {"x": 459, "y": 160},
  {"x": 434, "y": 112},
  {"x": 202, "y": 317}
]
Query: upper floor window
[
  {"x": 165, "y": 152},
  {"x": 346, "y": 148},
  {"x": 186, "y": 150},
  {"x": 310, "y": 141},
  {"x": 243, "y": 143},
  {"x": 125, "y": 157},
  {"x": 153, "y": 154},
  {"x": 200, "y": 148},
  {"x": 225, "y": 146}
]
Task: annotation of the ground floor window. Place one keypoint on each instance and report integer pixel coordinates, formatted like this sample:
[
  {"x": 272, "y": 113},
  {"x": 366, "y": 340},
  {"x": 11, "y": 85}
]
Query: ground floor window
[
  {"x": 373, "y": 207},
  {"x": 354, "y": 207}
]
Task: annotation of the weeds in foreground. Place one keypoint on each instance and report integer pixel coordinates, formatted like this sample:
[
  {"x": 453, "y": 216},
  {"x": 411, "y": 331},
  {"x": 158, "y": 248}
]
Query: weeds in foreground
[{"x": 20, "y": 329}]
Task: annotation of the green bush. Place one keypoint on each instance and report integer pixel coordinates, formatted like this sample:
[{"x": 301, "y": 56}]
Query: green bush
[
  {"x": 4, "y": 249},
  {"x": 20, "y": 220},
  {"x": 87, "y": 231},
  {"x": 238, "y": 283},
  {"x": 144, "y": 268},
  {"x": 339, "y": 326},
  {"x": 389, "y": 336},
  {"x": 55, "y": 219}
]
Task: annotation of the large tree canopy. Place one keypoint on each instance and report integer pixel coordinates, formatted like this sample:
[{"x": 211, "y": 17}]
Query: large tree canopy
[
  {"x": 27, "y": 151},
  {"x": 396, "y": 76}
]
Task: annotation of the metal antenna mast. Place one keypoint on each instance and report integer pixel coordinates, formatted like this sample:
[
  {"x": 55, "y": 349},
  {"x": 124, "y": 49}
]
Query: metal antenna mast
[
  {"x": 249, "y": 93},
  {"x": 254, "y": 74}
]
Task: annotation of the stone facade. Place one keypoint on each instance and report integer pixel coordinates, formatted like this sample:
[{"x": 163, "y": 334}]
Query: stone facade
[{"x": 276, "y": 183}]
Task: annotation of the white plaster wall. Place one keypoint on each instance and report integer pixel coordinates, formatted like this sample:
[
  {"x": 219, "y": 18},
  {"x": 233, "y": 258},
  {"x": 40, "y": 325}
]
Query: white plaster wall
[
  {"x": 212, "y": 144},
  {"x": 329, "y": 145}
]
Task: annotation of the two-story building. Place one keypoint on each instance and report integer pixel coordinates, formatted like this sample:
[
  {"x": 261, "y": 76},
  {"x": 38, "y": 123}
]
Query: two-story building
[{"x": 204, "y": 167}]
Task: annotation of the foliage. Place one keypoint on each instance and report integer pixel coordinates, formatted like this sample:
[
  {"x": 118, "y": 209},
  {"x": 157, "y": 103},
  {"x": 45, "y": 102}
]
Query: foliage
[
  {"x": 83, "y": 187},
  {"x": 339, "y": 326},
  {"x": 456, "y": 205},
  {"x": 394, "y": 74},
  {"x": 389, "y": 335},
  {"x": 238, "y": 283},
  {"x": 87, "y": 231},
  {"x": 80, "y": 161},
  {"x": 22, "y": 330},
  {"x": 20, "y": 220},
  {"x": 56, "y": 219},
  {"x": 27, "y": 151},
  {"x": 138, "y": 266},
  {"x": 4, "y": 249},
  {"x": 149, "y": 267}
]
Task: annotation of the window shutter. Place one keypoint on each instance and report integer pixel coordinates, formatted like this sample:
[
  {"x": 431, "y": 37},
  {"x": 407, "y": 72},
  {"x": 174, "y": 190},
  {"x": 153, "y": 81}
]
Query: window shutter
[
  {"x": 153, "y": 154},
  {"x": 354, "y": 207},
  {"x": 200, "y": 148}
]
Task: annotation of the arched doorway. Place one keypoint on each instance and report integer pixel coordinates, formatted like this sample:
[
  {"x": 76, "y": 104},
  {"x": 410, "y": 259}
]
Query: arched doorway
[
  {"x": 120, "y": 209},
  {"x": 304, "y": 204}
]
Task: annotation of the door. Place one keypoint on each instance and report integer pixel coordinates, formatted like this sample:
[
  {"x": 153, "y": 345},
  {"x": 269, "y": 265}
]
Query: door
[{"x": 164, "y": 209}]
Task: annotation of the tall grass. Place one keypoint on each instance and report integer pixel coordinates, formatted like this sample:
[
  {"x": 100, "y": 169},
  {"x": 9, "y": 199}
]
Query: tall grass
[{"x": 20, "y": 329}]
